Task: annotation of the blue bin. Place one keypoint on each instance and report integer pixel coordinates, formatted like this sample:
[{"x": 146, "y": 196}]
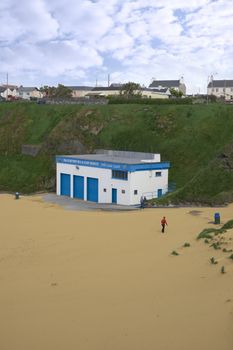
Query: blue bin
[{"x": 217, "y": 218}]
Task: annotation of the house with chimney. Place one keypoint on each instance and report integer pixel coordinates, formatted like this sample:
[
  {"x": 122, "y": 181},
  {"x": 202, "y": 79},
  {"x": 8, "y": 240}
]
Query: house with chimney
[
  {"x": 221, "y": 89},
  {"x": 178, "y": 85}
]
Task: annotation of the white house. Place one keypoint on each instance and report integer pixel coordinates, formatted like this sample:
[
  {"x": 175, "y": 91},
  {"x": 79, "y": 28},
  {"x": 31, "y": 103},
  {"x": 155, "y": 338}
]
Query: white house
[
  {"x": 112, "y": 176},
  {"x": 221, "y": 88},
  {"x": 80, "y": 91},
  {"x": 178, "y": 85},
  {"x": 26, "y": 93},
  {"x": 9, "y": 91}
]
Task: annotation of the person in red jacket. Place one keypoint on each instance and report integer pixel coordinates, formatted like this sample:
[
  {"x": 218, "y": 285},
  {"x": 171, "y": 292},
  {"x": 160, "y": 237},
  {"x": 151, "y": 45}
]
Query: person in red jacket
[{"x": 163, "y": 224}]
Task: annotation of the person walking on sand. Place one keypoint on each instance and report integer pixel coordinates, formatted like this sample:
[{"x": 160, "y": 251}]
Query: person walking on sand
[{"x": 163, "y": 224}]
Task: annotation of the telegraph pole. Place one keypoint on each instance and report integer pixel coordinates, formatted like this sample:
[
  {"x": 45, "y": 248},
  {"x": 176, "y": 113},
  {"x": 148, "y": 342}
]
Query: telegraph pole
[{"x": 7, "y": 86}]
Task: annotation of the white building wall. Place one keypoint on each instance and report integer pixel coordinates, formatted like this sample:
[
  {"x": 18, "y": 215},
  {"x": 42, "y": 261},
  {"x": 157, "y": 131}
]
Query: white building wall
[
  {"x": 145, "y": 182},
  {"x": 227, "y": 92},
  {"x": 105, "y": 181}
]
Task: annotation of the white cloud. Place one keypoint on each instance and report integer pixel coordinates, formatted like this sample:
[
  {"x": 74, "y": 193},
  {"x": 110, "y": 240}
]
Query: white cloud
[{"x": 133, "y": 39}]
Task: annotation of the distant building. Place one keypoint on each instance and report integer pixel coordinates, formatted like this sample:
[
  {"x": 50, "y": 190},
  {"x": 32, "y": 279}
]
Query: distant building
[
  {"x": 26, "y": 93},
  {"x": 169, "y": 84},
  {"x": 109, "y": 176},
  {"x": 156, "y": 93},
  {"x": 9, "y": 91},
  {"x": 221, "y": 89},
  {"x": 115, "y": 89},
  {"x": 104, "y": 91},
  {"x": 80, "y": 91}
]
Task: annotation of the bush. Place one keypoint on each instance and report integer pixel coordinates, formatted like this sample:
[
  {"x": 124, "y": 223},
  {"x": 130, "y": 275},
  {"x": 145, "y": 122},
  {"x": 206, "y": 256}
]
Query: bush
[
  {"x": 150, "y": 101},
  {"x": 174, "y": 253},
  {"x": 206, "y": 233},
  {"x": 213, "y": 261}
]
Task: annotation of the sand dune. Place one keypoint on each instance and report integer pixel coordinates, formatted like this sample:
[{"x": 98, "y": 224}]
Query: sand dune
[{"x": 96, "y": 281}]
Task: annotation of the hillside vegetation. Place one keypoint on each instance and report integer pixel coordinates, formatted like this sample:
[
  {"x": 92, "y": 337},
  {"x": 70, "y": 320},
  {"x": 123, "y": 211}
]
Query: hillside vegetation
[{"x": 196, "y": 139}]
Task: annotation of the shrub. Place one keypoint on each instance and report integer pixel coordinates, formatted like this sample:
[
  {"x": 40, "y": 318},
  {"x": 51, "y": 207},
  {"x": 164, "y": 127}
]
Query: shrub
[
  {"x": 213, "y": 261},
  {"x": 216, "y": 245},
  {"x": 186, "y": 245},
  {"x": 228, "y": 225},
  {"x": 174, "y": 253},
  {"x": 206, "y": 233}
]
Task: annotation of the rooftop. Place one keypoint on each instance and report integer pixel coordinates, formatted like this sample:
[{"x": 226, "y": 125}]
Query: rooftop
[
  {"x": 80, "y": 88},
  {"x": 220, "y": 83},
  {"x": 123, "y": 157},
  {"x": 27, "y": 89},
  {"x": 165, "y": 83}
]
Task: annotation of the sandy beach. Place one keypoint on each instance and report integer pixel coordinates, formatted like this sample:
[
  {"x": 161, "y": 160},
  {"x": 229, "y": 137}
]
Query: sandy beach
[{"x": 107, "y": 281}]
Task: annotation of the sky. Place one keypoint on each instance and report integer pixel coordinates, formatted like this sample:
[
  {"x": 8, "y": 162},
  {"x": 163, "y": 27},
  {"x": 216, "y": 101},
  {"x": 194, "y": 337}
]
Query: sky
[{"x": 79, "y": 42}]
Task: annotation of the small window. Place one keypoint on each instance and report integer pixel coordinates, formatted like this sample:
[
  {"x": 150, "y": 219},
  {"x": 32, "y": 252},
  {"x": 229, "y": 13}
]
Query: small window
[
  {"x": 105, "y": 190},
  {"x": 135, "y": 191},
  {"x": 158, "y": 173},
  {"x": 216, "y": 90},
  {"x": 122, "y": 191}
]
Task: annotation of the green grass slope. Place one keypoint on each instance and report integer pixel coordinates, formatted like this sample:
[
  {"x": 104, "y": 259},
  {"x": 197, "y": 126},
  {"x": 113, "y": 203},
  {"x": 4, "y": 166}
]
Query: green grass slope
[{"x": 196, "y": 139}]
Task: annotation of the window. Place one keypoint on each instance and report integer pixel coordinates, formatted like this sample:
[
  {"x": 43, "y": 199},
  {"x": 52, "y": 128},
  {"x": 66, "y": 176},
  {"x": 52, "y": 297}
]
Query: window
[
  {"x": 119, "y": 174},
  {"x": 231, "y": 89},
  {"x": 216, "y": 90},
  {"x": 135, "y": 192},
  {"x": 105, "y": 190},
  {"x": 122, "y": 191},
  {"x": 158, "y": 173}
]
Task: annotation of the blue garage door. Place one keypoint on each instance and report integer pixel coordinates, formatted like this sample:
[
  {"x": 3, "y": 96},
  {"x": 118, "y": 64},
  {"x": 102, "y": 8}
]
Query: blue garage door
[
  {"x": 92, "y": 189},
  {"x": 65, "y": 185},
  {"x": 79, "y": 187}
]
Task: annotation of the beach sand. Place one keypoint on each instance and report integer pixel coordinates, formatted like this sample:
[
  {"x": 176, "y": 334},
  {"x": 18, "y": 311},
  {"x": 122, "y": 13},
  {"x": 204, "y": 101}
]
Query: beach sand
[{"x": 101, "y": 280}]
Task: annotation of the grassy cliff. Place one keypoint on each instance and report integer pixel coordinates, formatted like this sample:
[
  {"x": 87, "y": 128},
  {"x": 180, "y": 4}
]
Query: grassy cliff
[{"x": 196, "y": 139}]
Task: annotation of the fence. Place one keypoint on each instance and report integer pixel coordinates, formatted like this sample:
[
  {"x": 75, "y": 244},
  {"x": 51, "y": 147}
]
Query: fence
[{"x": 168, "y": 189}]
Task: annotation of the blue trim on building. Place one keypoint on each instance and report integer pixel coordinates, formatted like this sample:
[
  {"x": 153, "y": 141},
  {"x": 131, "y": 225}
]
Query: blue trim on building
[{"x": 114, "y": 166}]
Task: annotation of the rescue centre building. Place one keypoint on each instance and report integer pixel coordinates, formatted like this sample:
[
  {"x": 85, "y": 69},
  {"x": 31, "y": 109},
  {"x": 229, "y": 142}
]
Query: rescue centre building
[{"x": 108, "y": 176}]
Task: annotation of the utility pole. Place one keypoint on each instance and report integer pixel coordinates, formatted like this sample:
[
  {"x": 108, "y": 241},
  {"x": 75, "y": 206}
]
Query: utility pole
[
  {"x": 108, "y": 80},
  {"x": 7, "y": 86},
  {"x": 225, "y": 89},
  {"x": 207, "y": 97}
]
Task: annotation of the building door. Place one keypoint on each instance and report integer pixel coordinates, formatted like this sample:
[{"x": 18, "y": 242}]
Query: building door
[
  {"x": 65, "y": 185},
  {"x": 92, "y": 189},
  {"x": 79, "y": 187},
  {"x": 159, "y": 193},
  {"x": 114, "y": 195}
]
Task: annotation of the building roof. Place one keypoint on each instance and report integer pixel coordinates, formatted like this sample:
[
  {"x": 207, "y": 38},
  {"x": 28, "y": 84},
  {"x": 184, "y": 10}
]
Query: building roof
[
  {"x": 80, "y": 88},
  {"x": 116, "y": 160},
  {"x": 165, "y": 83},
  {"x": 2, "y": 89},
  {"x": 27, "y": 89},
  {"x": 12, "y": 87},
  {"x": 107, "y": 88},
  {"x": 220, "y": 83}
]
